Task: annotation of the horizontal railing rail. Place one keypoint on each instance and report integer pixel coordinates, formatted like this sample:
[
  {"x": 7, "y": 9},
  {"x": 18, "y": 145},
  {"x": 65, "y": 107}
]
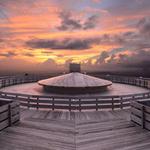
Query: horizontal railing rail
[{"x": 74, "y": 102}]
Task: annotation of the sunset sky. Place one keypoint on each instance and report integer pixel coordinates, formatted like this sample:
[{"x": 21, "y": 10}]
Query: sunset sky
[{"x": 51, "y": 33}]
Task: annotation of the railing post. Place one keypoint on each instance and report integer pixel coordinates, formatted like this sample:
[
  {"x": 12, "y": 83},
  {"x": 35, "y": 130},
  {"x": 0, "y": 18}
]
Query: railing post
[
  {"x": 121, "y": 102},
  {"x": 112, "y": 103},
  {"x": 53, "y": 105},
  {"x": 9, "y": 81},
  {"x": 69, "y": 104},
  {"x": 144, "y": 96},
  {"x": 96, "y": 104},
  {"x": 28, "y": 102},
  {"x": 37, "y": 103},
  {"x": 133, "y": 98},
  {"x": 144, "y": 83},
  {"x": 0, "y": 83},
  {"x": 16, "y": 97},
  {"x": 9, "y": 115},
  {"x": 13, "y": 81},
  {"x": 79, "y": 104},
  {"x": 3, "y": 83},
  {"x": 143, "y": 117}
]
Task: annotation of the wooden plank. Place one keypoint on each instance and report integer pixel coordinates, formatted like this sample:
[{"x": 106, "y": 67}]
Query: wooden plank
[
  {"x": 87, "y": 102},
  {"x": 24, "y": 99},
  {"x": 143, "y": 117},
  {"x": 4, "y": 124},
  {"x": 147, "y": 117},
  {"x": 147, "y": 125},
  {"x": 107, "y": 101},
  {"x": 34, "y": 105},
  {"x": 87, "y": 130},
  {"x": 23, "y": 104},
  {"x": 139, "y": 105},
  {"x": 3, "y": 116},
  {"x": 65, "y": 107},
  {"x": 15, "y": 110},
  {"x": 147, "y": 109},
  {"x": 45, "y": 106},
  {"x": 140, "y": 116},
  {"x": 45, "y": 101},
  {"x": 136, "y": 111},
  {"x": 136, "y": 119},
  {"x": 126, "y": 104},
  {"x": 62, "y": 102},
  {"x": 87, "y": 107},
  {"x": 14, "y": 104},
  {"x": 15, "y": 118},
  {"x": 136, "y": 105},
  {"x": 3, "y": 108}
]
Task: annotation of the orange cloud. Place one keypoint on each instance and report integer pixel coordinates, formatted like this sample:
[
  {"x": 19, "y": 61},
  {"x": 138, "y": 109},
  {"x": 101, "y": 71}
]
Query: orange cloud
[{"x": 41, "y": 19}]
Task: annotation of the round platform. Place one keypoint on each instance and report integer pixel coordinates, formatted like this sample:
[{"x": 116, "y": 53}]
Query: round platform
[
  {"x": 74, "y": 83},
  {"x": 36, "y": 89}
]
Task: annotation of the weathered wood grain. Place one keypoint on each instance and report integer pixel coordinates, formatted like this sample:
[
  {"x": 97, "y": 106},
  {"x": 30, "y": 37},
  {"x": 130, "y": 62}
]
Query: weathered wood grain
[
  {"x": 64, "y": 130},
  {"x": 9, "y": 113}
]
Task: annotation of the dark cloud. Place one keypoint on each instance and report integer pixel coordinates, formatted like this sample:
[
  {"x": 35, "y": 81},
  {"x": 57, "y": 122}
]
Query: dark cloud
[
  {"x": 137, "y": 62},
  {"x": 111, "y": 59},
  {"x": 129, "y": 40},
  {"x": 86, "y": 43},
  {"x": 113, "y": 39},
  {"x": 144, "y": 26},
  {"x": 138, "y": 59},
  {"x": 90, "y": 22},
  {"x": 102, "y": 57},
  {"x": 111, "y": 56},
  {"x": 126, "y": 40},
  {"x": 66, "y": 44},
  {"x": 122, "y": 58},
  {"x": 69, "y": 23}
]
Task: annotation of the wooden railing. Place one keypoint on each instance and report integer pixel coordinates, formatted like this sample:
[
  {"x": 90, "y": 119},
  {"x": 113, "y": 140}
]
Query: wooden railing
[
  {"x": 140, "y": 113},
  {"x": 75, "y": 102},
  {"x": 13, "y": 80},
  {"x": 9, "y": 113}
]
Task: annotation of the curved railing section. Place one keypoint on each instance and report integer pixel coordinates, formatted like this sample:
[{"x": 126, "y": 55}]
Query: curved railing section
[{"x": 74, "y": 102}]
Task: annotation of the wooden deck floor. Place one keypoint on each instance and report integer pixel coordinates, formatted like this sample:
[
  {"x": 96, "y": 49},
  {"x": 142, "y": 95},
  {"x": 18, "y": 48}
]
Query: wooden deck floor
[{"x": 47, "y": 130}]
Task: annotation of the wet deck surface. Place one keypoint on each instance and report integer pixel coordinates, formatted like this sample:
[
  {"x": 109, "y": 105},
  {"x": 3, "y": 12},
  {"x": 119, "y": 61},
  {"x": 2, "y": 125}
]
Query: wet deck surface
[{"x": 48, "y": 130}]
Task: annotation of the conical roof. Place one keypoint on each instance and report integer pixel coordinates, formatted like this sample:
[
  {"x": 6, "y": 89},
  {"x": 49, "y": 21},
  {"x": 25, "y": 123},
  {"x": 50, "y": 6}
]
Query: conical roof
[{"x": 74, "y": 80}]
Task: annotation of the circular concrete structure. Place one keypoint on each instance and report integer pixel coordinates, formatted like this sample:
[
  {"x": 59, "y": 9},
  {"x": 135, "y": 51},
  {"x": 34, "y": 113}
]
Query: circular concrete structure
[{"x": 74, "y": 83}]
